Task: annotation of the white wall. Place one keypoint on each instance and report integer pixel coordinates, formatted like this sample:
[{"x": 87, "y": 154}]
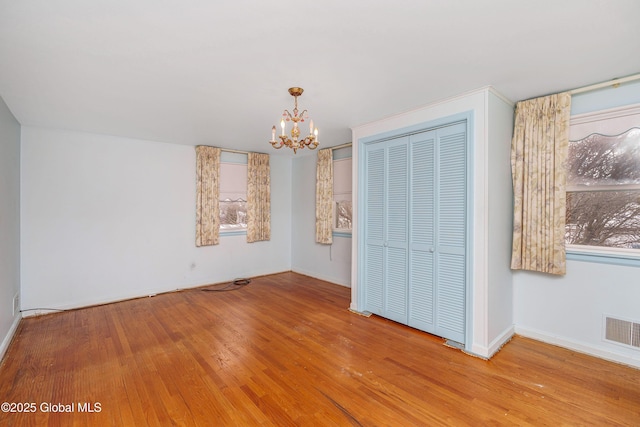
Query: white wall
[
  {"x": 500, "y": 220},
  {"x": 327, "y": 262},
  {"x": 569, "y": 310},
  {"x": 9, "y": 224},
  {"x": 107, "y": 218}
]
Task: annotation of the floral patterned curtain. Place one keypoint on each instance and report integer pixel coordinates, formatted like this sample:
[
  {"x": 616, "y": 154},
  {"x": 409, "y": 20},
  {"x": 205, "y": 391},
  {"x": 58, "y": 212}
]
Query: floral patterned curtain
[
  {"x": 324, "y": 197},
  {"x": 258, "y": 198},
  {"x": 207, "y": 195},
  {"x": 538, "y": 165}
]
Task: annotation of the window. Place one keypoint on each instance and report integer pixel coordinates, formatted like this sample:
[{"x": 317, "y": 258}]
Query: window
[
  {"x": 343, "y": 210},
  {"x": 233, "y": 192},
  {"x": 603, "y": 181}
]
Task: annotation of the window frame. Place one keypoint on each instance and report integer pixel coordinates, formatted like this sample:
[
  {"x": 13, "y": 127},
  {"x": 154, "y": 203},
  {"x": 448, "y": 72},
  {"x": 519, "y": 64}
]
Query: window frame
[
  {"x": 237, "y": 159},
  {"x": 604, "y": 254},
  {"x": 342, "y": 195}
]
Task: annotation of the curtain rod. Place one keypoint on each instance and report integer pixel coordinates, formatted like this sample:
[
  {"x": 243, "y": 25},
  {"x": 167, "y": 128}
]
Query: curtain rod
[
  {"x": 612, "y": 82},
  {"x": 337, "y": 147},
  {"x": 229, "y": 150}
]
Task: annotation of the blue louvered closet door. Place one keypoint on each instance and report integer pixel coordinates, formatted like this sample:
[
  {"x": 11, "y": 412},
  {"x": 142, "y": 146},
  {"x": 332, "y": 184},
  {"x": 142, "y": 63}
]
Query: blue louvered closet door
[
  {"x": 387, "y": 229},
  {"x": 415, "y": 230}
]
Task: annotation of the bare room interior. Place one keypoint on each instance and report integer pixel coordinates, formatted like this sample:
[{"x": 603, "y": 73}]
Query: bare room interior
[{"x": 353, "y": 214}]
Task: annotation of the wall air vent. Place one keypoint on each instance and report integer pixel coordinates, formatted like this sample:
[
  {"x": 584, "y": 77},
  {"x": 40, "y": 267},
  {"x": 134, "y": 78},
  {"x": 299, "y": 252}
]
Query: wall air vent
[{"x": 622, "y": 331}]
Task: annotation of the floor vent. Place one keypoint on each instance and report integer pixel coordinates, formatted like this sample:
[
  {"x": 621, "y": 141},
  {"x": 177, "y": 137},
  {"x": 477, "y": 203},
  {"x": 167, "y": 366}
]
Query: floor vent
[{"x": 622, "y": 331}]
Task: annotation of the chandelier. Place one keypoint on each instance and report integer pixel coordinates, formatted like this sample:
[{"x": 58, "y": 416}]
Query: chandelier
[{"x": 294, "y": 142}]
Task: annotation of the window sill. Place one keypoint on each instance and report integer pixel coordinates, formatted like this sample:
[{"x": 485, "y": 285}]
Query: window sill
[
  {"x": 613, "y": 256},
  {"x": 224, "y": 233},
  {"x": 342, "y": 233}
]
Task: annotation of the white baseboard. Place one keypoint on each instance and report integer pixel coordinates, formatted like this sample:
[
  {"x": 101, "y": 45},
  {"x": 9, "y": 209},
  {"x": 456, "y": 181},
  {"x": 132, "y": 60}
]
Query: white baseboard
[
  {"x": 501, "y": 340},
  {"x": 7, "y": 339},
  {"x": 315, "y": 275},
  {"x": 588, "y": 349},
  {"x": 487, "y": 352},
  {"x": 110, "y": 299}
]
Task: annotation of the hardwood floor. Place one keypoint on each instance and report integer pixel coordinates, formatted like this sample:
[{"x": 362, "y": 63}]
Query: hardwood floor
[{"x": 285, "y": 350}]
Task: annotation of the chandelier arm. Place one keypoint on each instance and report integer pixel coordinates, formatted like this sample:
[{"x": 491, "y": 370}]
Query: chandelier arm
[{"x": 285, "y": 140}]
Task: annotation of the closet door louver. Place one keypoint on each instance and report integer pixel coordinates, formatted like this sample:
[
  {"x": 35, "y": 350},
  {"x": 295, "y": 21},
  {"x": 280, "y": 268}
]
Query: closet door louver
[
  {"x": 451, "y": 237},
  {"x": 374, "y": 234},
  {"x": 422, "y": 232},
  {"x": 396, "y": 226}
]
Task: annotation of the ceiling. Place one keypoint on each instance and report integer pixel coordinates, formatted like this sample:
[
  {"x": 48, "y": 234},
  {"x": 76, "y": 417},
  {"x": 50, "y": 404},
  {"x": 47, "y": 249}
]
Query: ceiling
[{"x": 217, "y": 72}]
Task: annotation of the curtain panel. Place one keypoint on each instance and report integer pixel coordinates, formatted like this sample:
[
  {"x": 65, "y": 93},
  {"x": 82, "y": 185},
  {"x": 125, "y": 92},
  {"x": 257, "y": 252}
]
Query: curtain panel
[
  {"x": 324, "y": 197},
  {"x": 538, "y": 165},
  {"x": 258, "y": 198},
  {"x": 207, "y": 195}
]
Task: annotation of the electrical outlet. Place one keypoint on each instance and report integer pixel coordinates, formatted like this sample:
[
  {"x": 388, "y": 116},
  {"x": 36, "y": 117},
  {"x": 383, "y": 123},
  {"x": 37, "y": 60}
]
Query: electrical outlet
[{"x": 16, "y": 304}]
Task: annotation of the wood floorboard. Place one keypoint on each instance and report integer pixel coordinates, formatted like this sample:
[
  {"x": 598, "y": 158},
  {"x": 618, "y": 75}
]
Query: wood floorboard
[{"x": 285, "y": 351}]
